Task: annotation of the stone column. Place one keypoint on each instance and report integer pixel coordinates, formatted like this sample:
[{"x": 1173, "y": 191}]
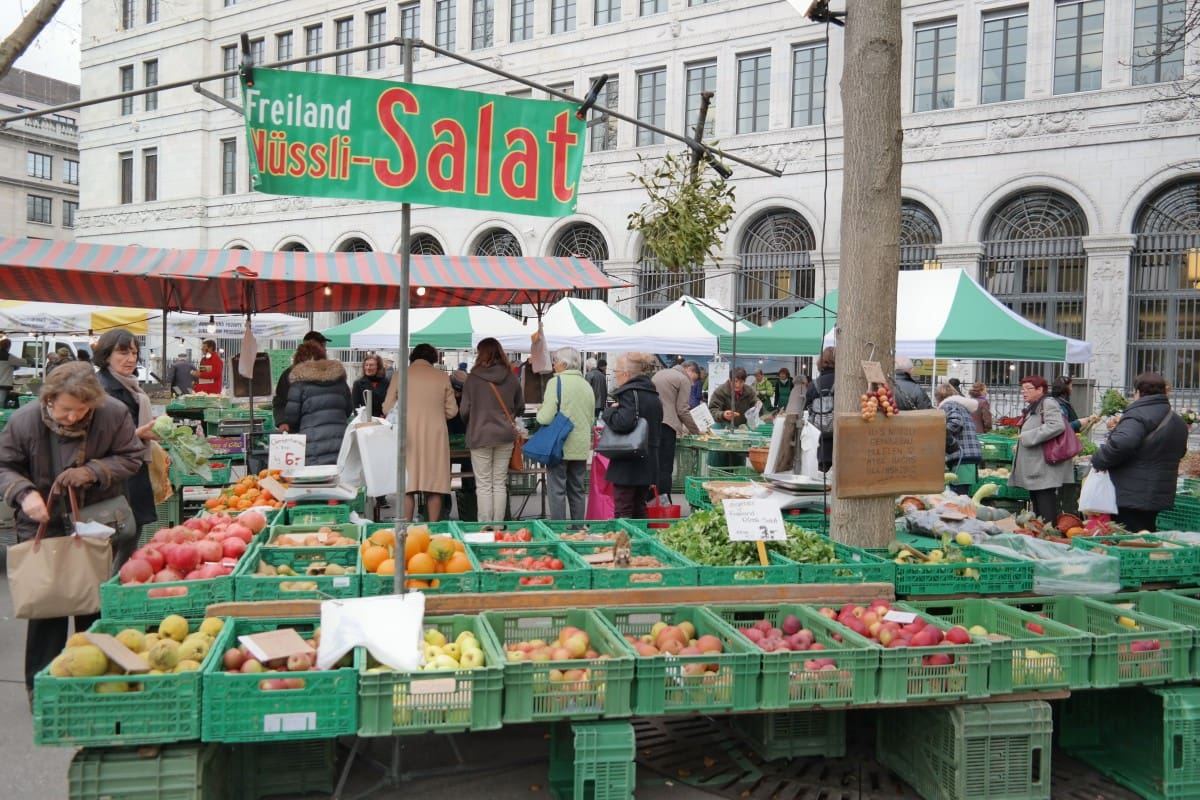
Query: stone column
[
  {"x": 1106, "y": 305},
  {"x": 965, "y": 256},
  {"x": 720, "y": 281},
  {"x": 824, "y": 285},
  {"x": 624, "y": 300}
]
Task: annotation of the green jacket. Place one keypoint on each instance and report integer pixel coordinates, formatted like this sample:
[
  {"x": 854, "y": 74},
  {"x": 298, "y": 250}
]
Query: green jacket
[{"x": 578, "y": 405}]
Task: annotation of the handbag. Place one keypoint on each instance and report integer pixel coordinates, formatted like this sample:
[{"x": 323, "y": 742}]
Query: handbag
[
  {"x": 59, "y": 576},
  {"x": 626, "y": 446},
  {"x": 115, "y": 512},
  {"x": 546, "y": 444},
  {"x": 1063, "y": 447},
  {"x": 516, "y": 462}
]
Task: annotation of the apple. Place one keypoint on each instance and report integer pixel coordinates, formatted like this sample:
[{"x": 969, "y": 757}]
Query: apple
[
  {"x": 753, "y": 634},
  {"x": 299, "y": 662},
  {"x": 958, "y": 635},
  {"x": 254, "y": 520},
  {"x": 791, "y": 624},
  {"x": 252, "y": 665},
  {"x": 1034, "y": 627},
  {"x": 233, "y": 659}
]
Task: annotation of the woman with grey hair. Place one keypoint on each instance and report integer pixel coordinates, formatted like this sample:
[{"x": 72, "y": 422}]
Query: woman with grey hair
[
  {"x": 635, "y": 397},
  {"x": 568, "y": 391}
]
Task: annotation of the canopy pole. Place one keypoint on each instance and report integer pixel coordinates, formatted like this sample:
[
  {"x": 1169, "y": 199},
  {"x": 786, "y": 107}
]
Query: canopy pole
[
  {"x": 165, "y": 364},
  {"x": 398, "y": 581}
]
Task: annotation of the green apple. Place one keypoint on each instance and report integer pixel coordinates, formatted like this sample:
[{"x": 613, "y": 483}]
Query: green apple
[
  {"x": 435, "y": 637},
  {"x": 471, "y": 659}
]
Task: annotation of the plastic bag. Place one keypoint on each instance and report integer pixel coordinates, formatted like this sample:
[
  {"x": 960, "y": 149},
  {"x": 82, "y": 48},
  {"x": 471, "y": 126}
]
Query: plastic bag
[
  {"x": 1059, "y": 568},
  {"x": 810, "y": 438},
  {"x": 1098, "y": 495},
  {"x": 930, "y": 523},
  {"x": 390, "y": 627}
]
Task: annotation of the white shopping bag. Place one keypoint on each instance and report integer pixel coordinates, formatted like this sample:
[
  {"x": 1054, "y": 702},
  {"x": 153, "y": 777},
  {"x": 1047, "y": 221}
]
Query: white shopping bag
[
  {"x": 368, "y": 458},
  {"x": 810, "y": 439},
  {"x": 1098, "y": 495},
  {"x": 286, "y": 451},
  {"x": 390, "y": 627}
]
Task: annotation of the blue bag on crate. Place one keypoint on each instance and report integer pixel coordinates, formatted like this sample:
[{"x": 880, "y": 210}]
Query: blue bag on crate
[{"x": 546, "y": 444}]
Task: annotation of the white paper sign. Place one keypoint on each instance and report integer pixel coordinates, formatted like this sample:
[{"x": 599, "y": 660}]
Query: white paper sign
[
  {"x": 903, "y": 617},
  {"x": 754, "y": 520},
  {"x": 287, "y": 451},
  {"x": 702, "y": 417},
  {"x": 718, "y": 373}
]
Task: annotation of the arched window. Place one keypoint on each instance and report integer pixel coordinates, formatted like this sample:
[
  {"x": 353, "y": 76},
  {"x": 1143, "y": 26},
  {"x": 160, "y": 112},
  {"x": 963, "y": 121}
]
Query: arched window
[
  {"x": 425, "y": 244},
  {"x": 659, "y": 287},
  {"x": 1164, "y": 304},
  {"x": 583, "y": 240},
  {"x": 294, "y": 247},
  {"x": 777, "y": 274},
  {"x": 920, "y": 235},
  {"x": 499, "y": 242},
  {"x": 1034, "y": 262},
  {"x": 355, "y": 245}
]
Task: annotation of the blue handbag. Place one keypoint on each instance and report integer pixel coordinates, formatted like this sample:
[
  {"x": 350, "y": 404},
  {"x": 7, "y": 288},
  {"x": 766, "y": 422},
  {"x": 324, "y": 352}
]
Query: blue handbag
[{"x": 546, "y": 444}]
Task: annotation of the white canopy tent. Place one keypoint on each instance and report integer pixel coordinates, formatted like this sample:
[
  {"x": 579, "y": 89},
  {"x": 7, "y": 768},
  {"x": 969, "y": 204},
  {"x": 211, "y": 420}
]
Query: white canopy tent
[
  {"x": 30, "y": 317},
  {"x": 689, "y": 326},
  {"x": 571, "y": 322}
]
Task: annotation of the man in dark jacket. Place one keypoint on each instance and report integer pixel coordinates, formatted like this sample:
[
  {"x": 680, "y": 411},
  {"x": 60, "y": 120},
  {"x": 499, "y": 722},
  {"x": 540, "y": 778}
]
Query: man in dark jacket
[
  {"x": 279, "y": 401},
  {"x": 909, "y": 394},
  {"x": 599, "y": 382},
  {"x": 1142, "y": 454}
]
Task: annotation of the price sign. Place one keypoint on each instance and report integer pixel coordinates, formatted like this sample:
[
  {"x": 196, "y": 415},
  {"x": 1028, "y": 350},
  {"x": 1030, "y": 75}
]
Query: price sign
[
  {"x": 718, "y": 373},
  {"x": 702, "y": 417},
  {"x": 287, "y": 451},
  {"x": 754, "y": 521}
]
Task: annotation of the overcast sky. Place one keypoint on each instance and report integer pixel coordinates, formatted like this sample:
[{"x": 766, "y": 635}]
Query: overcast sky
[{"x": 56, "y": 51}]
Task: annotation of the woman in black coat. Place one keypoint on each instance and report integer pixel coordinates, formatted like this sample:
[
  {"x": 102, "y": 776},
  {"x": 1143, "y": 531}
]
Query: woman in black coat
[
  {"x": 1142, "y": 454},
  {"x": 822, "y": 386},
  {"x": 635, "y": 396},
  {"x": 319, "y": 403}
]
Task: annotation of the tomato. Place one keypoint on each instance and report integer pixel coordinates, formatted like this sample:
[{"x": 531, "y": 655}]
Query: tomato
[{"x": 556, "y": 563}]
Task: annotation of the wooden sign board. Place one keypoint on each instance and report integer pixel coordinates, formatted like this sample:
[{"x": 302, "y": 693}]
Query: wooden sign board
[{"x": 889, "y": 455}]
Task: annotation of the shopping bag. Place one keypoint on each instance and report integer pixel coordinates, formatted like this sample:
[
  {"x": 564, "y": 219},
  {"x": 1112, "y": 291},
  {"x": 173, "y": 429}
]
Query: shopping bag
[
  {"x": 810, "y": 440},
  {"x": 546, "y": 445},
  {"x": 1098, "y": 495},
  {"x": 1063, "y": 447}
]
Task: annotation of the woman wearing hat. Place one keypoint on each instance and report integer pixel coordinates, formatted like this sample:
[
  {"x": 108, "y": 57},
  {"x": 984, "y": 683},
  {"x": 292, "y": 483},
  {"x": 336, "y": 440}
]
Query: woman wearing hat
[{"x": 279, "y": 401}]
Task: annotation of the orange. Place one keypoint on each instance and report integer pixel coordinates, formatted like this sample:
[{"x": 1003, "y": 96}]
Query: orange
[
  {"x": 441, "y": 548},
  {"x": 212, "y": 502},
  {"x": 262, "y": 473},
  {"x": 416, "y": 584},
  {"x": 388, "y": 567},
  {"x": 417, "y": 541},
  {"x": 384, "y": 537},
  {"x": 421, "y": 564},
  {"x": 458, "y": 563},
  {"x": 373, "y": 556}
]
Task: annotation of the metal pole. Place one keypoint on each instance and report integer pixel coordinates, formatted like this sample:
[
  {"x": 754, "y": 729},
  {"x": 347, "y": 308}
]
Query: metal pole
[{"x": 398, "y": 581}]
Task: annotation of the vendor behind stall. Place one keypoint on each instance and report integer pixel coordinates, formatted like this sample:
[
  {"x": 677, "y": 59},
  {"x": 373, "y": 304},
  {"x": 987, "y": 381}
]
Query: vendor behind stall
[{"x": 732, "y": 399}]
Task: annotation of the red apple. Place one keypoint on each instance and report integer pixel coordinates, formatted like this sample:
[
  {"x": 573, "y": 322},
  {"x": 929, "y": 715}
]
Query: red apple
[
  {"x": 958, "y": 635},
  {"x": 136, "y": 570},
  {"x": 254, "y": 520},
  {"x": 1034, "y": 627},
  {"x": 233, "y": 659}
]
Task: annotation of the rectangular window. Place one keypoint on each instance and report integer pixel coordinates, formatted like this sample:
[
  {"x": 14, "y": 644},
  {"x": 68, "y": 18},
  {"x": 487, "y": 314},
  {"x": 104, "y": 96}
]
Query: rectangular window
[
  {"x": 127, "y": 14},
  {"x": 343, "y": 36},
  {"x": 700, "y": 2},
  {"x": 754, "y": 93},
  {"x": 1003, "y": 70},
  {"x": 70, "y": 212},
  {"x": 606, "y": 12},
  {"x": 522, "y": 21},
  {"x": 38, "y": 209},
  {"x": 229, "y": 62},
  {"x": 410, "y": 23},
  {"x": 700, "y": 78},
  {"x": 808, "y": 84},
  {"x": 483, "y": 17},
  {"x": 258, "y": 51},
  {"x": 230, "y": 3},
  {"x": 39, "y": 165},
  {"x": 651, "y": 104},
  {"x": 649, "y": 7},
  {"x": 445, "y": 29},
  {"x": 151, "y": 13},
  {"x": 229, "y": 166},
  {"x": 935, "y": 47},
  {"x": 562, "y": 16},
  {"x": 312, "y": 47},
  {"x": 376, "y": 32},
  {"x": 283, "y": 47},
  {"x": 150, "y": 174},
  {"x": 603, "y": 135},
  {"x": 1078, "y": 45},
  {"x": 126, "y": 86},
  {"x": 71, "y": 171},
  {"x": 150, "y": 78},
  {"x": 1160, "y": 34},
  {"x": 125, "y": 161}
]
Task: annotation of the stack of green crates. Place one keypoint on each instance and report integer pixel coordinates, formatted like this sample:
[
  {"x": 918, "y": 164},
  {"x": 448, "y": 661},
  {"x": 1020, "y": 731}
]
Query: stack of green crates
[
  {"x": 592, "y": 761},
  {"x": 191, "y": 771},
  {"x": 794, "y": 734}
]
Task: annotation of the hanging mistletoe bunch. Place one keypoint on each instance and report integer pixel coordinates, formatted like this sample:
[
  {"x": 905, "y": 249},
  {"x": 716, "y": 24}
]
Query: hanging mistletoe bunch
[{"x": 687, "y": 212}]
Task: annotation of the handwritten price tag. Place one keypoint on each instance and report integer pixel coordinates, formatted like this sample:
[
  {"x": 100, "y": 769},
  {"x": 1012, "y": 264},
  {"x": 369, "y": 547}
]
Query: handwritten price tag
[
  {"x": 754, "y": 521},
  {"x": 287, "y": 451}
]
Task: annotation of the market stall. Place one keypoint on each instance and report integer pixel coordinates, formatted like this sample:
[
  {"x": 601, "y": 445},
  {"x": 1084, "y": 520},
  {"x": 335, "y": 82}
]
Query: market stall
[
  {"x": 571, "y": 322},
  {"x": 687, "y": 326},
  {"x": 455, "y": 327}
]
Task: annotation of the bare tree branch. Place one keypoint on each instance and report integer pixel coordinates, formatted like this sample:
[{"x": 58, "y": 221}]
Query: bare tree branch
[{"x": 20, "y": 39}]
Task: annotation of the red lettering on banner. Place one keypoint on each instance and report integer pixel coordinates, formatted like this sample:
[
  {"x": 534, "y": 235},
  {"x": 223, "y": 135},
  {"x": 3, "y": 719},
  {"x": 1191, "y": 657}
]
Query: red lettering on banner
[
  {"x": 523, "y": 162},
  {"x": 385, "y": 108},
  {"x": 320, "y": 167},
  {"x": 562, "y": 141},
  {"x": 447, "y": 162},
  {"x": 483, "y": 149},
  {"x": 296, "y": 167}
]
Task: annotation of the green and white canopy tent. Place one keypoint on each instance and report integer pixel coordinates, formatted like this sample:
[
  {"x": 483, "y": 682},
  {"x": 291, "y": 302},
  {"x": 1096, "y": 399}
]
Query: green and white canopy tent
[
  {"x": 939, "y": 314},
  {"x": 453, "y": 327},
  {"x": 687, "y": 326},
  {"x": 571, "y": 322}
]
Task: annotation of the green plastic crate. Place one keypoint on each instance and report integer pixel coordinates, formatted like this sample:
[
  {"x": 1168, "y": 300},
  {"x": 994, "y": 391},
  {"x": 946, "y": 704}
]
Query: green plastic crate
[
  {"x": 584, "y": 531},
  {"x": 444, "y": 700},
  {"x": 1168, "y": 563},
  {"x": 221, "y": 476},
  {"x": 997, "y": 574},
  {"x": 592, "y": 761},
  {"x": 695, "y": 493},
  {"x": 574, "y": 575},
  {"x": 663, "y": 685},
  {"x": 1177, "y": 608},
  {"x": 1064, "y": 653},
  {"x": 794, "y": 734},
  {"x": 249, "y": 585},
  {"x": 174, "y": 771},
  {"x": 855, "y": 566},
  {"x": 987, "y": 751},
  {"x": 269, "y": 769},
  {"x": 309, "y": 513},
  {"x": 780, "y": 570},
  {"x": 1180, "y": 518},
  {"x": 812, "y": 521},
  {"x": 530, "y": 691},
  {"x": 153, "y": 601},
  {"x": 784, "y": 681},
  {"x": 1114, "y": 662},
  {"x": 235, "y": 709},
  {"x": 998, "y": 448},
  {"x": 537, "y": 531},
  {"x": 675, "y": 570},
  {"x": 72, "y": 712},
  {"x": 1145, "y": 739},
  {"x": 305, "y": 554}
]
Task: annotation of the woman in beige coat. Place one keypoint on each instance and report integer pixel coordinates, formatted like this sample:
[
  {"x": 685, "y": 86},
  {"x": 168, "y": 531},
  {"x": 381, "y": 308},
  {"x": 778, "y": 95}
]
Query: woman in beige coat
[{"x": 427, "y": 457}]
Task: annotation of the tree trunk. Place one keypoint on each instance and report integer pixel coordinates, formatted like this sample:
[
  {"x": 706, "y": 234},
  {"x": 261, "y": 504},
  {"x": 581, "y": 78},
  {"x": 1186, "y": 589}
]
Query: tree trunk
[
  {"x": 24, "y": 34},
  {"x": 870, "y": 222}
]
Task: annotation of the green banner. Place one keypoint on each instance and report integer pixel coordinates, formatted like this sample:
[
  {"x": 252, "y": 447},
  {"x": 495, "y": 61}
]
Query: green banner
[{"x": 334, "y": 136}]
